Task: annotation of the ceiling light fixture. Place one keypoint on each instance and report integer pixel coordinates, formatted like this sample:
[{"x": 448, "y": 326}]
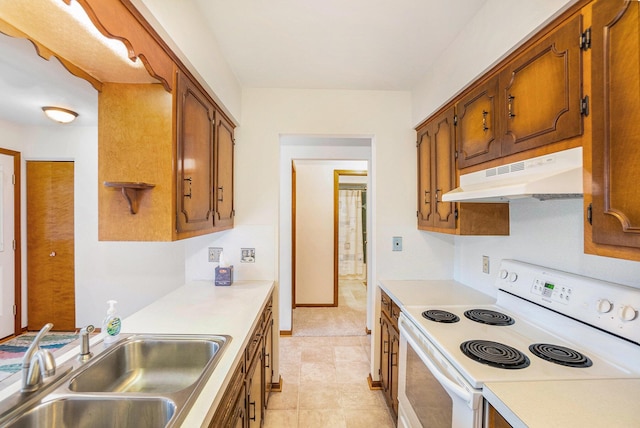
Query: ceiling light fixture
[{"x": 59, "y": 114}]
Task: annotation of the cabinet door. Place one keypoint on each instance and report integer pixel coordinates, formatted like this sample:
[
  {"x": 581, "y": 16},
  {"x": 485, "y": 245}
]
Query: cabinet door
[
  {"x": 541, "y": 92},
  {"x": 195, "y": 139},
  {"x": 425, "y": 165},
  {"x": 224, "y": 173},
  {"x": 255, "y": 387},
  {"x": 616, "y": 122},
  {"x": 239, "y": 417},
  {"x": 436, "y": 172},
  {"x": 393, "y": 368},
  {"x": 477, "y": 125},
  {"x": 268, "y": 362},
  {"x": 385, "y": 346}
]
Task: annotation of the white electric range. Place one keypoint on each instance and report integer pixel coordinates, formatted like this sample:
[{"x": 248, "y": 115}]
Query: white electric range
[{"x": 551, "y": 325}]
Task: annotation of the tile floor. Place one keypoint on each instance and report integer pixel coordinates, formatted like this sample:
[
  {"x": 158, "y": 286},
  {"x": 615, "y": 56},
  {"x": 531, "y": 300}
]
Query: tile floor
[{"x": 325, "y": 376}]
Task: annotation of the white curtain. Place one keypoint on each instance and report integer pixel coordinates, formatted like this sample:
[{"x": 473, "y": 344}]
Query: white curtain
[{"x": 350, "y": 240}]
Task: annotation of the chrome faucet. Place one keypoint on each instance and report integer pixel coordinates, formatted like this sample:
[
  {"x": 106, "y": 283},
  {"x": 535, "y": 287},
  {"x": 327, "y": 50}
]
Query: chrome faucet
[
  {"x": 85, "y": 352},
  {"x": 37, "y": 363}
]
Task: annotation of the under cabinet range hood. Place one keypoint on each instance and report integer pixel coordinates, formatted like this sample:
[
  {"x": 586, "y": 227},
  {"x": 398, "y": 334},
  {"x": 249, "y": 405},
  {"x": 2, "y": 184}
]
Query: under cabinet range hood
[{"x": 553, "y": 176}]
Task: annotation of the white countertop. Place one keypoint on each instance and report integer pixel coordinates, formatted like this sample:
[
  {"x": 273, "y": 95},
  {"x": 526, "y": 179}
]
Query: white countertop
[
  {"x": 433, "y": 292},
  {"x": 198, "y": 308},
  {"x": 567, "y": 404}
]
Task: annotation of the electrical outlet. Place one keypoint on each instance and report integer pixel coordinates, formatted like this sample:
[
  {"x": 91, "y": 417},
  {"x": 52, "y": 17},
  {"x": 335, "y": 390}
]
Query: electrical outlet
[
  {"x": 485, "y": 264},
  {"x": 214, "y": 254},
  {"x": 247, "y": 255},
  {"x": 397, "y": 243}
]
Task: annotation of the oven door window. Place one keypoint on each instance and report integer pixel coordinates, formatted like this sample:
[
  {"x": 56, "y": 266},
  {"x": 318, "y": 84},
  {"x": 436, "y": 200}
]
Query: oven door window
[{"x": 430, "y": 401}]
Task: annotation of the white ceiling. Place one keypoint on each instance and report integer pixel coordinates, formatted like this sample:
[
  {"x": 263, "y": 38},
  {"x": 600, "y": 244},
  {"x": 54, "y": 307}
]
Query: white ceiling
[
  {"x": 311, "y": 44},
  {"x": 335, "y": 44}
]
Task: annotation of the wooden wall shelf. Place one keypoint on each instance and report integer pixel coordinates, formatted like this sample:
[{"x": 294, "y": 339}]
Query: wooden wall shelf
[{"x": 130, "y": 191}]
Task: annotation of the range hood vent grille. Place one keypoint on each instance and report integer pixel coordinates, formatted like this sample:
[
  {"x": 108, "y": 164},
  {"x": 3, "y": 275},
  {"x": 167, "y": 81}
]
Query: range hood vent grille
[{"x": 553, "y": 176}]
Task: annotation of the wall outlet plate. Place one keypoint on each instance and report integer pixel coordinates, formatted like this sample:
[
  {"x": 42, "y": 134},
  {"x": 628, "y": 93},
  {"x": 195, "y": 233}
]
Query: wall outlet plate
[
  {"x": 397, "y": 243},
  {"x": 485, "y": 264},
  {"x": 214, "y": 254},
  {"x": 247, "y": 255}
]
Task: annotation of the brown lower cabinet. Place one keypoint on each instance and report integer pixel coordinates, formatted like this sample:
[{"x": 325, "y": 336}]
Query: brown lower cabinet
[
  {"x": 389, "y": 351},
  {"x": 245, "y": 399},
  {"x": 494, "y": 418}
]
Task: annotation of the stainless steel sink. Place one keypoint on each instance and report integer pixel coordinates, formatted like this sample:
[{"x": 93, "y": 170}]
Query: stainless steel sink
[
  {"x": 97, "y": 412},
  {"x": 149, "y": 365},
  {"x": 141, "y": 380}
]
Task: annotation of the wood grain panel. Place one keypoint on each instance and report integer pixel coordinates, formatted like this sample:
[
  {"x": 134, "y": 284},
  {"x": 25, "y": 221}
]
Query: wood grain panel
[
  {"x": 50, "y": 245},
  {"x": 616, "y": 123},
  {"x": 136, "y": 143},
  {"x": 224, "y": 174},
  {"x": 541, "y": 92}
]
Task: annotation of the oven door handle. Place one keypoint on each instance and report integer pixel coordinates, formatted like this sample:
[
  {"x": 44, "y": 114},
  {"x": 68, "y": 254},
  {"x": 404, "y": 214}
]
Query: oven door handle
[{"x": 448, "y": 384}]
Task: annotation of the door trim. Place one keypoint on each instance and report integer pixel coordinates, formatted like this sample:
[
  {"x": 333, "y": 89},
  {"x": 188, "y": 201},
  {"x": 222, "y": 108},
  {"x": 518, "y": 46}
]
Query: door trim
[
  {"x": 17, "y": 226},
  {"x": 336, "y": 184}
]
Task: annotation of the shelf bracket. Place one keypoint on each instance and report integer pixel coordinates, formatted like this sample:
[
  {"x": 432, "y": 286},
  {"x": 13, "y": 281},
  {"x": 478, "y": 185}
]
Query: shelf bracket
[{"x": 130, "y": 191}]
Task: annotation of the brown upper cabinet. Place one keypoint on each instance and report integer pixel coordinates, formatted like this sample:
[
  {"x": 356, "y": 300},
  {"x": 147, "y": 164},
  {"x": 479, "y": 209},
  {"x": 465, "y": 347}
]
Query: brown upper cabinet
[
  {"x": 195, "y": 120},
  {"x": 224, "y": 212},
  {"x": 436, "y": 172},
  {"x": 615, "y": 71},
  {"x": 437, "y": 175},
  {"x": 533, "y": 100}
]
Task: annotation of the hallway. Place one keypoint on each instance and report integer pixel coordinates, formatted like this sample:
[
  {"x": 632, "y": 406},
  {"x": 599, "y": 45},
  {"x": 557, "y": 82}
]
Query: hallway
[{"x": 324, "y": 367}]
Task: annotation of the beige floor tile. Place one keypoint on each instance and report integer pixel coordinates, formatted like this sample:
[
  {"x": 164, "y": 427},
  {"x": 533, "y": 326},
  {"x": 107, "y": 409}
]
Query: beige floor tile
[
  {"x": 287, "y": 399},
  {"x": 281, "y": 419},
  {"x": 317, "y": 373},
  {"x": 290, "y": 374},
  {"x": 317, "y": 354},
  {"x": 378, "y": 418},
  {"x": 319, "y": 396},
  {"x": 352, "y": 371},
  {"x": 321, "y": 418},
  {"x": 350, "y": 353},
  {"x": 359, "y": 396}
]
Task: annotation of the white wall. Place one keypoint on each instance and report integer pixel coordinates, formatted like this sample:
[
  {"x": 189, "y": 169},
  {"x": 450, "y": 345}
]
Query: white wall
[
  {"x": 315, "y": 228},
  {"x": 133, "y": 273},
  {"x": 547, "y": 233}
]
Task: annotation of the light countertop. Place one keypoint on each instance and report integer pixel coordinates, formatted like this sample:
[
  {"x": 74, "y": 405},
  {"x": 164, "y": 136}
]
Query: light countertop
[
  {"x": 433, "y": 292},
  {"x": 198, "y": 308},
  {"x": 611, "y": 403}
]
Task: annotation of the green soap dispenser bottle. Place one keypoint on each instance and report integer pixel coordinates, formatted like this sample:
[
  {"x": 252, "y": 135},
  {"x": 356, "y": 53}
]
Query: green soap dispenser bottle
[{"x": 112, "y": 324}]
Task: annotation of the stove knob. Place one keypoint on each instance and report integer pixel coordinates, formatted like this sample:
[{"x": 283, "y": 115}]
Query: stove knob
[
  {"x": 627, "y": 313},
  {"x": 513, "y": 277},
  {"x": 603, "y": 306},
  {"x": 503, "y": 274}
]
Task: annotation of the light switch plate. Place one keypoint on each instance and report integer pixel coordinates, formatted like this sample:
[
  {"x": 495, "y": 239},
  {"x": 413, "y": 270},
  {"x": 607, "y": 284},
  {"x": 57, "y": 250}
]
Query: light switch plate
[
  {"x": 247, "y": 255},
  {"x": 214, "y": 254},
  {"x": 397, "y": 243}
]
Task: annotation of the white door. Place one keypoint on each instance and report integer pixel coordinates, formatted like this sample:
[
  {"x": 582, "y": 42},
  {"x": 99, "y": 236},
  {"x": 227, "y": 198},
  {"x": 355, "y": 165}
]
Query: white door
[{"x": 7, "y": 254}]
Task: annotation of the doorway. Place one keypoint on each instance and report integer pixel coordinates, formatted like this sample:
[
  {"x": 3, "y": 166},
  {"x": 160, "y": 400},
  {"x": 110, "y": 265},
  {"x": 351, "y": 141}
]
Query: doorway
[
  {"x": 10, "y": 246},
  {"x": 50, "y": 245}
]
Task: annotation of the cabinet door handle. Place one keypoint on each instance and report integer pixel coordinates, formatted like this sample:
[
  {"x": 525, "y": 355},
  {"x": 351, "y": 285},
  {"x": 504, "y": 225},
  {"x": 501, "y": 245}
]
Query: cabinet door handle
[
  {"x": 510, "y": 106},
  {"x": 221, "y": 194},
  {"x": 437, "y": 190},
  {"x": 392, "y": 355},
  {"x": 267, "y": 363},
  {"x": 426, "y": 197},
  {"x": 252, "y": 403},
  {"x": 485, "y": 128},
  {"x": 385, "y": 347},
  {"x": 188, "y": 195}
]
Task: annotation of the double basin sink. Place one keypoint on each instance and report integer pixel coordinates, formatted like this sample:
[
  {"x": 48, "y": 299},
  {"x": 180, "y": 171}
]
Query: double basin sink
[{"x": 139, "y": 381}]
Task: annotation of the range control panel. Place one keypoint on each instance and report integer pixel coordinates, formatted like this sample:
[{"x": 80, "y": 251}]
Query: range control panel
[
  {"x": 552, "y": 291},
  {"x": 608, "y": 306}
]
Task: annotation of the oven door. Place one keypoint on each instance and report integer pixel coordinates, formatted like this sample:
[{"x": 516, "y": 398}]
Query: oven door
[{"x": 431, "y": 393}]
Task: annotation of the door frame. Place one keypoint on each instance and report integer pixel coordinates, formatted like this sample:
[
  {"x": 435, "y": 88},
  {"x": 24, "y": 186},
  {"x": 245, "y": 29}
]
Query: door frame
[
  {"x": 337, "y": 173},
  {"x": 17, "y": 237}
]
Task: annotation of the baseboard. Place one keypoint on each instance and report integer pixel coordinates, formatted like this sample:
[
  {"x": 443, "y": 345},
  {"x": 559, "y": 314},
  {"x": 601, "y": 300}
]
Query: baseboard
[
  {"x": 277, "y": 386},
  {"x": 367, "y": 331},
  {"x": 374, "y": 384},
  {"x": 286, "y": 333}
]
